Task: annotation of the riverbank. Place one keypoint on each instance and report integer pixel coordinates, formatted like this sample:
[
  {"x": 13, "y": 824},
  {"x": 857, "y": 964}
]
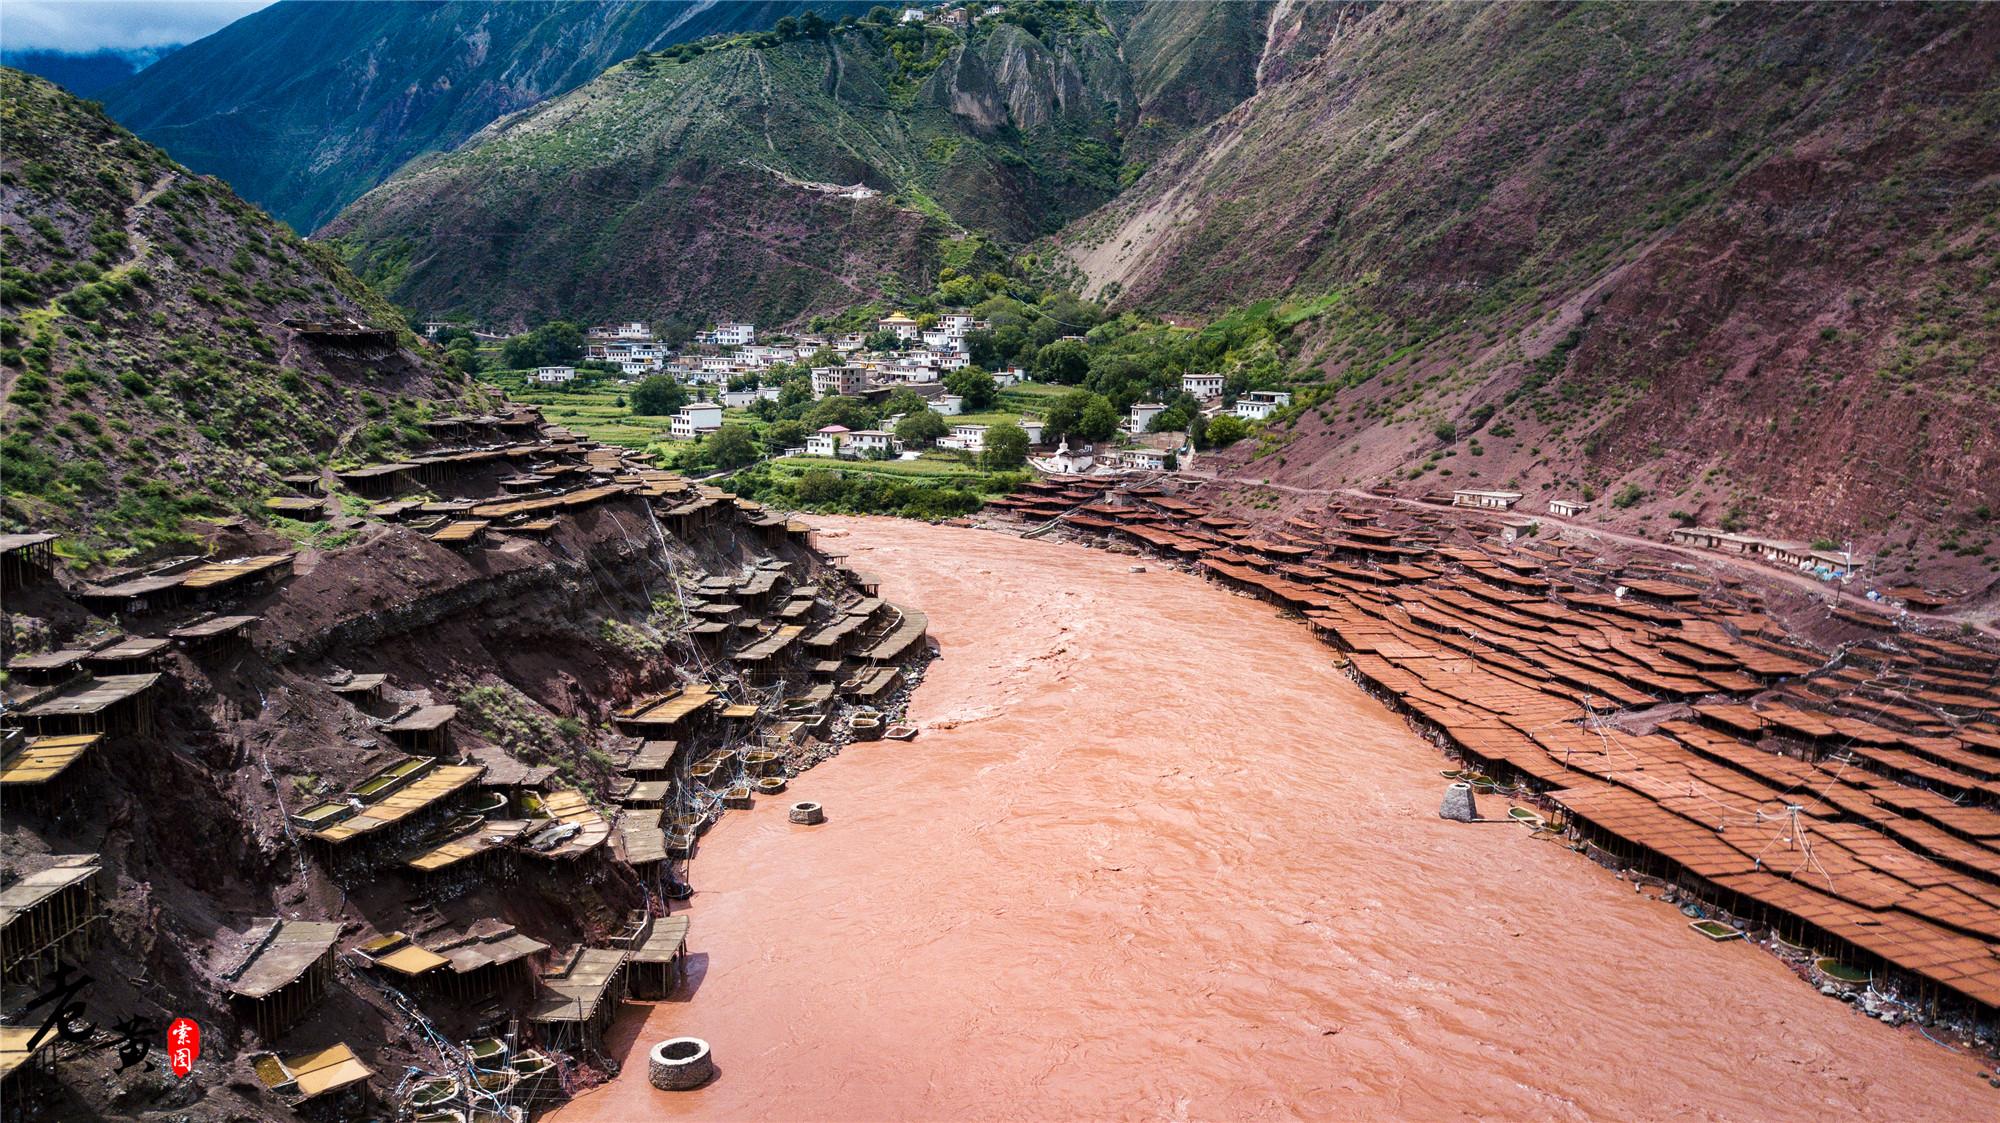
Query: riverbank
[{"x": 1154, "y": 855}]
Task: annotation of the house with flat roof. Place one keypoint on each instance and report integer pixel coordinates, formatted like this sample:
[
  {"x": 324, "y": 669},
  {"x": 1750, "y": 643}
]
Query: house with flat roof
[
  {"x": 1260, "y": 404},
  {"x": 1489, "y": 500},
  {"x": 970, "y": 438},
  {"x": 1143, "y": 414},
  {"x": 551, "y": 376},
  {"x": 1202, "y": 385},
  {"x": 695, "y": 419},
  {"x": 849, "y": 379},
  {"x": 1567, "y": 508}
]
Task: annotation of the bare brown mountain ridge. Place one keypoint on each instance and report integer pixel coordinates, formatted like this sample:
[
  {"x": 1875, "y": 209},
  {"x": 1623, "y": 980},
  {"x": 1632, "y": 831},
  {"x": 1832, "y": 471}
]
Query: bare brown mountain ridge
[{"x": 1732, "y": 262}]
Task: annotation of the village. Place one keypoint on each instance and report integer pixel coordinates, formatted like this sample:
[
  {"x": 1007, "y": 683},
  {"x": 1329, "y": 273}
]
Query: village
[
  {"x": 728, "y": 369},
  {"x": 909, "y": 368}
]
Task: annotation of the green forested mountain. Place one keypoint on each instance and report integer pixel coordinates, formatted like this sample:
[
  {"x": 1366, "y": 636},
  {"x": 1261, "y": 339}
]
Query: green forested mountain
[
  {"x": 152, "y": 370},
  {"x": 306, "y": 104},
  {"x": 704, "y": 181}
]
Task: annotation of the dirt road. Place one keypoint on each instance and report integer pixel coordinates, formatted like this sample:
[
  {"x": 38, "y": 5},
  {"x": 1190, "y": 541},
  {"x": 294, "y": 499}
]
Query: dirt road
[
  {"x": 1153, "y": 856},
  {"x": 1983, "y": 618}
]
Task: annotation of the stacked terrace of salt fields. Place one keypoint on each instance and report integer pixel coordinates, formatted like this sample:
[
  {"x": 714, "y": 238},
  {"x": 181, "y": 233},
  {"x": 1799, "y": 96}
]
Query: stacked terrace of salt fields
[{"x": 1847, "y": 800}]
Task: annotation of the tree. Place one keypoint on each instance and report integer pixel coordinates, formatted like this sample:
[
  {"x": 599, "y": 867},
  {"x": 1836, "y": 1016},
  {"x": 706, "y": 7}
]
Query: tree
[
  {"x": 1006, "y": 447},
  {"x": 851, "y": 412},
  {"x": 796, "y": 395},
  {"x": 732, "y": 447},
  {"x": 1099, "y": 420},
  {"x": 921, "y": 428},
  {"x": 1226, "y": 429},
  {"x": 1065, "y": 361},
  {"x": 561, "y": 341},
  {"x": 975, "y": 386},
  {"x": 881, "y": 15},
  {"x": 983, "y": 347},
  {"x": 658, "y": 396},
  {"x": 787, "y": 28},
  {"x": 1169, "y": 420},
  {"x": 818, "y": 486},
  {"x": 903, "y": 403},
  {"x": 520, "y": 352},
  {"x": 781, "y": 435},
  {"x": 1063, "y": 417},
  {"x": 811, "y": 25},
  {"x": 884, "y": 340}
]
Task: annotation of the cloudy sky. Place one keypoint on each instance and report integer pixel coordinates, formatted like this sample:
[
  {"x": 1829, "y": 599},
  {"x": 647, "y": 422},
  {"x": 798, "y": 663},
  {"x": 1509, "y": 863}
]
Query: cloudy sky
[{"x": 120, "y": 25}]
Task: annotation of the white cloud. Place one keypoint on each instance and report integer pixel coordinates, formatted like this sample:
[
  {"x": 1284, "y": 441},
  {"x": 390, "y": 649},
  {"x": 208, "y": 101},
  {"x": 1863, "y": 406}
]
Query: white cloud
[{"x": 119, "y": 25}]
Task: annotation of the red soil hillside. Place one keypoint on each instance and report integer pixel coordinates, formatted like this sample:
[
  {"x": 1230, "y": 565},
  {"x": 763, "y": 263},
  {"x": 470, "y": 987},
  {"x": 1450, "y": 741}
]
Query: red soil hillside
[{"x": 1730, "y": 262}]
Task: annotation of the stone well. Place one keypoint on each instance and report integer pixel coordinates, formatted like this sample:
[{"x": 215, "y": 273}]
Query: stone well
[{"x": 679, "y": 1063}]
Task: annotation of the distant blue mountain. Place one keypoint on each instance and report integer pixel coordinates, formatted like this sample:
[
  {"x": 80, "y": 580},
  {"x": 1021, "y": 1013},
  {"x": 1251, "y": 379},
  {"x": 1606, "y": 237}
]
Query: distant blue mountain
[{"x": 85, "y": 75}]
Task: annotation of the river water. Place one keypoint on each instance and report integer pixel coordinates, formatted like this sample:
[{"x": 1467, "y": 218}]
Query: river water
[{"x": 1153, "y": 856}]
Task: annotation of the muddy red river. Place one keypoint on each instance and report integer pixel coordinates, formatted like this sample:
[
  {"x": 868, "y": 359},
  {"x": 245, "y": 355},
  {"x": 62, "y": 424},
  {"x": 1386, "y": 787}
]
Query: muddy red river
[{"x": 1154, "y": 856}]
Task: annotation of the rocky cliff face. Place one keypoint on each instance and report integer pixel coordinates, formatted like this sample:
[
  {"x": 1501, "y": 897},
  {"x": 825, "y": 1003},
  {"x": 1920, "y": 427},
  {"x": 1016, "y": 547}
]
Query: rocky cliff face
[{"x": 1730, "y": 262}]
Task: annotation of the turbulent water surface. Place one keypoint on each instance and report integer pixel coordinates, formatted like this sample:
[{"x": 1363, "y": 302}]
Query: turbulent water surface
[{"x": 1154, "y": 856}]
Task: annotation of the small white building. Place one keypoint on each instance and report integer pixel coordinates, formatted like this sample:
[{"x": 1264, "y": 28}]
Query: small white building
[
  {"x": 1143, "y": 413},
  {"x": 970, "y": 438},
  {"x": 955, "y": 324},
  {"x": 1567, "y": 508},
  {"x": 695, "y": 419},
  {"x": 744, "y": 399},
  {"x": 1145, "y": 459},
  {"x": 550, "y": 376},
  {"x": 1489, "y": 500},
  {"x": 830, "y": 441},
  {"x": 1032, "y": 427},
  {"x": 728, "y": 334},
  {"x": 637, "y": 330},
  {"x": 1012, "y": 376},
  {"x": 861, "y": 442},
  {"x": 1202, "y": 386},
  {"x": 1260, "y": 404},
  {"x": 949, "y": 405}
]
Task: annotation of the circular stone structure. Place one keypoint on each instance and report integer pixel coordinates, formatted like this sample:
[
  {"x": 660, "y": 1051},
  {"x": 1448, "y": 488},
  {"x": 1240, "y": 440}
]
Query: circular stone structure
[
  {"x": 680, "y": 1063},
  {"x": 808, "y": 813}
]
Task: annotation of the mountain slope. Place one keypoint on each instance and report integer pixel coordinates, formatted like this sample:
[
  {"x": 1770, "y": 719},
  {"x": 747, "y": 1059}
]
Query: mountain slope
[
  {"x": 84, "y": 74},
  {"x": 306, "y": 104},
  {"x": 148, "y": 374},
  {"x": 1735, "y": 262},
  {"x": 701, "y": 184}
]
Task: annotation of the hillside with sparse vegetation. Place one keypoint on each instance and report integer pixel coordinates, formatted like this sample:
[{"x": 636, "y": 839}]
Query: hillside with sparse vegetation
[
  {"x": 1726, "y": 264},
  {"x": 302, "y": 107},
  {"x": 711, "y": 178},
  {"x": 151, "y": 381}
]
